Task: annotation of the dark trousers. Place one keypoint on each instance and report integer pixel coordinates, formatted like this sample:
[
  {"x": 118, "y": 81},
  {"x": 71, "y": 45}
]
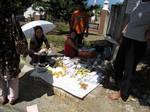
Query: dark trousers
[
  {"x": 129, "y": 55},
  {"x": 79, "y": 39},
  {"x": 33, "y": 57},
  {"x": 38, "y": 58}
]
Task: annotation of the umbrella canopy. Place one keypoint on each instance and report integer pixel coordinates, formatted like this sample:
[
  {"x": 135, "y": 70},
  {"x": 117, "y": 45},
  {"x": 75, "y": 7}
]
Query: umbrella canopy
[{"x": 29, "y": 31}]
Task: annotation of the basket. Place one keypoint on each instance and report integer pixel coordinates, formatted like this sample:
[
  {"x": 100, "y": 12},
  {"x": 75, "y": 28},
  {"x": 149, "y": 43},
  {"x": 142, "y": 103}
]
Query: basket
[{"x": 87, "y": 54}]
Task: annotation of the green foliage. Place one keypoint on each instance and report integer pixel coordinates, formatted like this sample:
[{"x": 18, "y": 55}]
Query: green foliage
[
  {"x": 57, "y": 9},
  {"x": 61, "y": 10},
  {"x": 57, "y": 36},
  {"x": 17, "y": 6},
  {"x": 97, "y": 8},
  {"x": 61, "y": 27},
  {"x": 87, "y": 44}
]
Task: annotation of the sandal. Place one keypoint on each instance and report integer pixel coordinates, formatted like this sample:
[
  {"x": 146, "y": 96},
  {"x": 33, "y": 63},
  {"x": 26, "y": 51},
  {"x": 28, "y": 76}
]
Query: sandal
[{"x": 114, "y": 96}]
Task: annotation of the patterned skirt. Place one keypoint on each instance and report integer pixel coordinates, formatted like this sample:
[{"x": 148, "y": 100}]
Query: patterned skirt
[{"x": 9, "y": 59}]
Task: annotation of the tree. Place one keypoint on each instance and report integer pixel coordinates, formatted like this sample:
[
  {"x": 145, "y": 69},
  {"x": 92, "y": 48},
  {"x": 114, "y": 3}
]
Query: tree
[
  {"x": 60, "y": 9},
  {"x": 18, "y": 6},
  {"x": 57, "y": 9}
]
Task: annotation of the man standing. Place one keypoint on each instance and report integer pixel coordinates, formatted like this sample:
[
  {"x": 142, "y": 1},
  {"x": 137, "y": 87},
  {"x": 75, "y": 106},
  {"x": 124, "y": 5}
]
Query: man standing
[
  {"x": 79, "y": 23},
  {"x": 132, "y": 49}
]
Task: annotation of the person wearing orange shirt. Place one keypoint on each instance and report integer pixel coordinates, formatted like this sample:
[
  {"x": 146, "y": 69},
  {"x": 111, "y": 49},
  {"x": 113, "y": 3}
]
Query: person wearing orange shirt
[{"x": 79, "y": 23}]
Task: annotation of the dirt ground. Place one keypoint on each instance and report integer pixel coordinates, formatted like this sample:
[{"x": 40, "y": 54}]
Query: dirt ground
[{"x": 50, "y": 99}]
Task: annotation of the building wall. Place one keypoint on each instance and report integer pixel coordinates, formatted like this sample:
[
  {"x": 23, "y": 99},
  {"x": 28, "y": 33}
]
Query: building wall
[
  {"x": 119, "y": 17},
  {"x": 104, "y": 14},
  {"x": 116, "y": 21}
]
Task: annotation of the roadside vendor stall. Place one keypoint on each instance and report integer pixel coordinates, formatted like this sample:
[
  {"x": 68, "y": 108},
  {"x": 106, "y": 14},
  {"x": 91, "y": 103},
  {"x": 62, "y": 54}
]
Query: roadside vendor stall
[{"x": 77, "y": 76}]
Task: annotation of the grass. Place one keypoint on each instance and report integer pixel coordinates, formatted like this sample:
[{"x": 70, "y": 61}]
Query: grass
[
  {"x": 56, "y": 37},
  {"x": 87, "y": 44},
  {"x": 61, "y": 27},
  {"x": 56, "y": 40}
]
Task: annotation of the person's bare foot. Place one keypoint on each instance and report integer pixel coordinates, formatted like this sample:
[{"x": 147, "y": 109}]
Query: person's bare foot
[
  {"x": 12, "y": 102},
  {"x": 114, "y": 96}
]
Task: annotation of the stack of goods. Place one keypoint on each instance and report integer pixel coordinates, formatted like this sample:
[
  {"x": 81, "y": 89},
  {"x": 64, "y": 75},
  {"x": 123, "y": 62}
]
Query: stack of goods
[
  {"x": 75, "y": 68},
  {"x": 87, "y": 53}
]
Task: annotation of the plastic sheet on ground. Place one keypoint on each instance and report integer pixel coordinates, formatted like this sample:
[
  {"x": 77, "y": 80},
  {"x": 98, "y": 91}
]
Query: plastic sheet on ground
[
  {"x": 70, "y": 75},
  {"x": 71, "y": 85}
]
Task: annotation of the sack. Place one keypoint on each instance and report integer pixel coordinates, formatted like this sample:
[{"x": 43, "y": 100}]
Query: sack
[{"x": 21, "y": 44}]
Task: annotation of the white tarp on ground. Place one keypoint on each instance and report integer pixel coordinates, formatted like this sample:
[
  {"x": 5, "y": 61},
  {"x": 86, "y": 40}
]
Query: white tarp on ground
[
  {"x": 71, "y": 75},
  {"x": 71, "y": 85}
]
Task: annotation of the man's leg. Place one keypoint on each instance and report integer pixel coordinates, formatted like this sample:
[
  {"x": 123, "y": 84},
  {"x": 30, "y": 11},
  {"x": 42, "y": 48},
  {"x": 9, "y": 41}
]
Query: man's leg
[
  {"x": 120, "y": 61},
  {"x": 119, "y": 67},
  {"x": 135, "y": 52},
  {"x": 79, "y": 39},
  {"x": 34, "y": 58}
]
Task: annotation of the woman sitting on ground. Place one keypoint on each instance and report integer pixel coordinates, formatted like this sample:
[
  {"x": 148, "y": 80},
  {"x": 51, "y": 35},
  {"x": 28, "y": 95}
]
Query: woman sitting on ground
[
  {"x": 70, "y": 48},
  {"x": 36, "y": 43}
]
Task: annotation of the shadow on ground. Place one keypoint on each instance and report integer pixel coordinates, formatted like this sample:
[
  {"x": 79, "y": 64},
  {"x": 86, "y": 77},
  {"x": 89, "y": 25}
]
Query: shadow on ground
[
  {"x": 94, "y": 34},
  {"x": 32, "y": 88},
  {"x": 141, "y": 86},
  {"x": 140, "y": 83}
]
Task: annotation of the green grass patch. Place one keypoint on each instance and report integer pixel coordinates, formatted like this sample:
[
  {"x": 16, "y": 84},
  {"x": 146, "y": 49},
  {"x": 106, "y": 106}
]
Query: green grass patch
[
  {"x": 61, "y": 27},
  {"x": 56, "y": 37},
  {"x": 56, "y": 40},
  {"x": 86, "y": 43}
]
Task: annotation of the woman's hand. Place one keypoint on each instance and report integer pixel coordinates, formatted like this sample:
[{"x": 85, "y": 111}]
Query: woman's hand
[
  {"x": 36, "y": 53},
  {"x": 44, "y": 50}
]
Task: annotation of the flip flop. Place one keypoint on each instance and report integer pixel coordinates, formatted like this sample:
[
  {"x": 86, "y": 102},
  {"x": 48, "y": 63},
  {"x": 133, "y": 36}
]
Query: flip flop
[{"x": 114, "y": 96}]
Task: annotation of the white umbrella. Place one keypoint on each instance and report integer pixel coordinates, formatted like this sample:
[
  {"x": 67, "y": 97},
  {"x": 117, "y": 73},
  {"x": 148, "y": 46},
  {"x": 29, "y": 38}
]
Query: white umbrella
[{"x": 29, "y": 31}]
